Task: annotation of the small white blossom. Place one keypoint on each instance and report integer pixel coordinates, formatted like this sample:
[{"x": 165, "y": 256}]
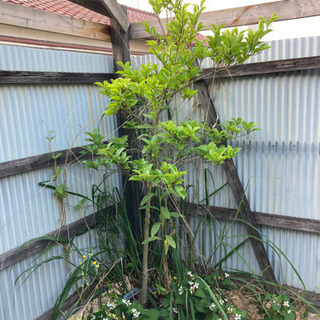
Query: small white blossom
[
  {"x": 180, "y": 290},
  {"x": 212, "y": 306},
  {"x": 230, "y": 309},
  {"x": 190, "y": 275},
  {"x": 175, "y": 310},
  {"x": 289, "y": 311},
  {"x": 127, "y": 302},
  {"x": 193, "y": 287},
  {"x": 237, "y": 317},
  {"x": 221, "y": 301},
  {"x": 135, "y": 313},
  {"x": 227, "y": 275},
  {"x": 286, "y": 303},
  {"x": 111, "y": 305}
]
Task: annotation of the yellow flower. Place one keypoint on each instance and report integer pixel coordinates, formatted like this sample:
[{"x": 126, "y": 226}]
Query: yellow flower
[{"x": 94, "y": 262}]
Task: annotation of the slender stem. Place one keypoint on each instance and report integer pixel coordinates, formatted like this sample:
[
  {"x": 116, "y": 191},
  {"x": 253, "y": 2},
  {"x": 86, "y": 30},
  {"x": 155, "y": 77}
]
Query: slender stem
[{"x": 145, "y": 265}]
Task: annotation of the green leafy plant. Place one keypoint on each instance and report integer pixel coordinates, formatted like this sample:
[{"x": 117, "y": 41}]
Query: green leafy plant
[{"x": 164, "y": 143}]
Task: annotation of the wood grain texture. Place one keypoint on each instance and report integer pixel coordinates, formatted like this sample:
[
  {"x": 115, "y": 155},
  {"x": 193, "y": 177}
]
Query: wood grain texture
[
  {"x": 23, "y": 165},
  {"x": 26, "y": 17},
  {"x": 262, "y": 219},
  {"x": 242, "y": 16},
  {"x": 24, "y": 77},
  {"x": 31, "y": 248},
  {"x": 260, "y": 68},
  {"x": 120, "y": 43},
  {"x": 109, "y": 8}
]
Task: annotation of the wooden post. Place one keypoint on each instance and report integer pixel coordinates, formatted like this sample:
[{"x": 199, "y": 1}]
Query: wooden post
[
  {"x": 132, "y": 189},
  {"x": 238, "y": 191}
]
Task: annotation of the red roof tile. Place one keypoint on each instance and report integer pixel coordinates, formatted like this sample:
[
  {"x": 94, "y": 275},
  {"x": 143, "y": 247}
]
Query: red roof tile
[{"x": 70, "y": 9}]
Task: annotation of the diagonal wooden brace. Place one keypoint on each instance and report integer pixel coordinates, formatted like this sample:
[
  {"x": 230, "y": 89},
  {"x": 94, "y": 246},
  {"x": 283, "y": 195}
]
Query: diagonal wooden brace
[{"x": 238, "y": 192}]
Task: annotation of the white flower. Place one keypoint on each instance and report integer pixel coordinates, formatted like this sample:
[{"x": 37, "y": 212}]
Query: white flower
[
  {"x": 289, "y": 311},
  {"x": 135, "y": 313},
  {"x": 180, "y": 290},
  {"x": 111, "y": 305},
  {"x": 230, "y": 309},
  {"x": 127, "y": 302},
  {"x": 227, "y": 275},
  {"x": 175, "y": 310},
  {"x": 190, "y": 275},
  {"x": 286, "y": 303},
  {"x": 193, "y": 287},
  {"x": 237, "y": 317},
  {"x": 212, "y": 306},
  {"x": 221, "y": 301}
]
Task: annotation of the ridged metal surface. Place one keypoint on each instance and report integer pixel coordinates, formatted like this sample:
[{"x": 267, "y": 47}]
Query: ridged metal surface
[
  {"x": 20, "y": 58},
  {"x": 279, "y": 166},
  {"x": 32, "y": 298},
  {"x": 28, "y": 113}
]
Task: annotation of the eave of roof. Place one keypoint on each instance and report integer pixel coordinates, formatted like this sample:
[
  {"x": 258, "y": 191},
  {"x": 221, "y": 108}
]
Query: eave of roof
[{"x": 67, "y": 8}]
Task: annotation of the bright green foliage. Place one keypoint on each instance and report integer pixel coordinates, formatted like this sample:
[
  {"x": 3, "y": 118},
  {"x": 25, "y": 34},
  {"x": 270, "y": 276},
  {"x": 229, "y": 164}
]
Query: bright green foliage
[
  {"x": 280, "y": 308},
  {"x": 145, "y": 98}
]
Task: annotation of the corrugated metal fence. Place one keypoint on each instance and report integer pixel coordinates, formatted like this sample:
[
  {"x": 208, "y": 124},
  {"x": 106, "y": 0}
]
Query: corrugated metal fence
[
  {"x": 279, "y": 166},
  {"x": 28, "y": 113}
]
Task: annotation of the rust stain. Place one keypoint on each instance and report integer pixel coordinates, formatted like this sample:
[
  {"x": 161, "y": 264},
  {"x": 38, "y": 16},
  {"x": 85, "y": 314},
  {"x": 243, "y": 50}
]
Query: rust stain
[{"x": 245, "y": 9}]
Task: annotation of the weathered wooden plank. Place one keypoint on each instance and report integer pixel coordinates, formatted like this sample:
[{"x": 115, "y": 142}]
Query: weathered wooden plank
[
  {"x": 262, "y": 219},
  {"x": 120, "y": 44},
  {"x": 24, "y": 77},
  {"x": 23, "y": 165},
  {"x": 260, "y": 68},
  {"x": 66, "y": 307},
  {"x": 242, "y": 16},
  {"x": 109, "y": 8},
  {"x": 31, "y": 248},
  {"x": 132, "y": 191},
  {"x": 20, "y": 16},
  {"x": 238, "y": 191}
]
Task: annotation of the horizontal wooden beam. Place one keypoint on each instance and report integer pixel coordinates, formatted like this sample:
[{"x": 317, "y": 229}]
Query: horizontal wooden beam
[
  {"x": 26, "y": 77},
  {"x": 243, "y": 16},
  {"x": 26, "y": 17},
  {"x": 31, "y": 248},
  {"x": 260, "y": 68},
  {"x": 288, "y": 65},
  {"x": 263, "y": 219},
  {"x": 23, "y": 165}
]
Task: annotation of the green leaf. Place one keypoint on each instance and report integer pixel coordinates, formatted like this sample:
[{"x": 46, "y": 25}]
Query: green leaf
[
  {"x": 199, "y": 293},
  {"x": 165, "y": 212},
  {"x": 152, "y": 314},
  {"x": 151, "y": 239},
  {"x": 146, "y": 198},
  {"x": 180, "y": 191},
  {"x": 171, "y": 242},
  {"x": 155, "y": 228}
]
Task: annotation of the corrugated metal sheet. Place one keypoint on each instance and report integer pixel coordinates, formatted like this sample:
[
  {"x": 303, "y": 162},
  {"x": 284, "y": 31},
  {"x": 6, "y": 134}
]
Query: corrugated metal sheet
[
  {"x": 30, "y": 299},
  {"x": 20, "y": 58},
  {"x": 32, "y": 111},
  {"x": 28, "y": 113},
  {"x": 279, "y": 166}
]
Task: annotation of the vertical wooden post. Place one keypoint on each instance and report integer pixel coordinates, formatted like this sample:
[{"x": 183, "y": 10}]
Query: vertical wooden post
[
  {"x": 121, "y": 52},
  {"x": 238, "y": 191}
]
